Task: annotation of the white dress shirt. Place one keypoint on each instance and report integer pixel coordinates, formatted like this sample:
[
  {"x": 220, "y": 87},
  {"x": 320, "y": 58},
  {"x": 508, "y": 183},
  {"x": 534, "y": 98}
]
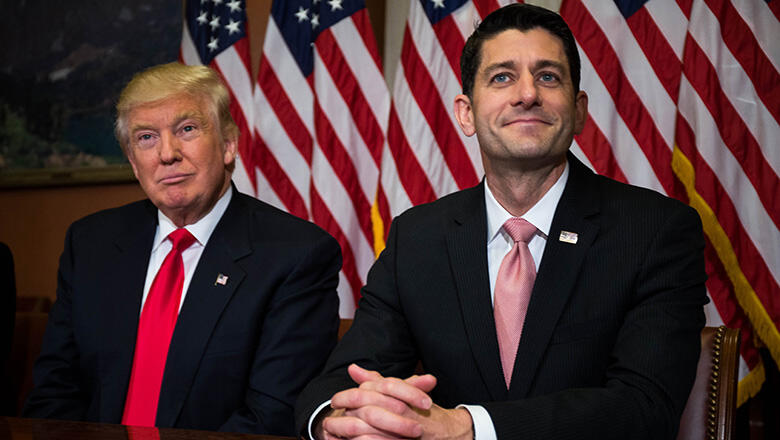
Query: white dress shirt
[
  {"x": 201, "y": 230},
  {"x": 499, "y": 243}
]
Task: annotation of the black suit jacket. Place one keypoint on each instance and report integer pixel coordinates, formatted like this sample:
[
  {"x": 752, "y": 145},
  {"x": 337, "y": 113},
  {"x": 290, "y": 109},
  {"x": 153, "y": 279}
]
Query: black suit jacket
[
  {"x": 240, "y": 352},
  {"x": 611, "y": 339}
]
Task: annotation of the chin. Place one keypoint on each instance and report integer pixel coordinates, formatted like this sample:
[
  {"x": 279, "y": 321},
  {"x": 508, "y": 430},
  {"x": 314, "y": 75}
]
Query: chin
[{"x": 175, "y": 201}]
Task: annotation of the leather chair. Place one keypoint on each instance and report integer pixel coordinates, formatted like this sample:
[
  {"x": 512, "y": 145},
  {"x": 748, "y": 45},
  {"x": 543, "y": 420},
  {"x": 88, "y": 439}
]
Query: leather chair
[{"x": 710, "y": 413}]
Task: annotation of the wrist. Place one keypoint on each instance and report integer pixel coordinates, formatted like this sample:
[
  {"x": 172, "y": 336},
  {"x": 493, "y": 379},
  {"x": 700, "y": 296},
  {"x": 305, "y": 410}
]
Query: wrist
[{"x": 465, "y": 424}]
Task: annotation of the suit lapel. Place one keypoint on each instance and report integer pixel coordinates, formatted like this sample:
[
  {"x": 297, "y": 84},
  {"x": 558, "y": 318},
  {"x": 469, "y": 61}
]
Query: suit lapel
[
  {"x": 205, "y": 301},
  {"x": 467, "y": 246},
  {"x": 120, "y": 309},
  {"x": 576, "y": 212}
]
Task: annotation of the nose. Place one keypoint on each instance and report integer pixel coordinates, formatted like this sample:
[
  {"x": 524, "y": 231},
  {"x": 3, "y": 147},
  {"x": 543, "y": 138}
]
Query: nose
[
  {"x": 170, "y": 149},
  {"x": 526, "y": 93}
]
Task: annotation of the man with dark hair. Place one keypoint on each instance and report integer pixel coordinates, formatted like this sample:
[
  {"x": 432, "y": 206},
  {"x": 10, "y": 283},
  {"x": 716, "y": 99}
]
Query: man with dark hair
[
  {"x": 200, "y": 307},
  {"x": 545, "y": 303}
]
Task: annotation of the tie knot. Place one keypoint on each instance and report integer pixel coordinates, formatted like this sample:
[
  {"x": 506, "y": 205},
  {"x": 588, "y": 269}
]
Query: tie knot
[
  {"x": 519, "y": 229},
  {"x": 181, "y": 239}
]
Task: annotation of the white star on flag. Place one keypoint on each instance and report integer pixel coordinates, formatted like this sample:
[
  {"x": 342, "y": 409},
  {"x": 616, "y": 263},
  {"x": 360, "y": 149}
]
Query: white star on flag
[
  {"x": 233, "y": 26},
  {"x": 302, "y": 14},
  {"x": 213, "y": 44},
  {"x": 235, "y": 6},
  {"x": 203, "y": 17},
  {"x": 214, "y": 23}
]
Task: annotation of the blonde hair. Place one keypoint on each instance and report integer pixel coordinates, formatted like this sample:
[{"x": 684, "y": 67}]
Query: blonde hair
[{"x": 166, "y": 80}]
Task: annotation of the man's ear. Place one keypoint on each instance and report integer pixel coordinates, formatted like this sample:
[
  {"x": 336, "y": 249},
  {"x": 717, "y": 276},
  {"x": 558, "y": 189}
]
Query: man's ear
[
  {"x": 231, "y": 149},
  {"x": 464, "y": 114},
  {"x": 581, "y": 111}
]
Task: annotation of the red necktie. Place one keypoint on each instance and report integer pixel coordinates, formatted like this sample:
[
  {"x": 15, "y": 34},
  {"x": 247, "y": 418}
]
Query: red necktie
[
  {"x": 155, "y": 328},
  {"x": 514, "y": 284}
]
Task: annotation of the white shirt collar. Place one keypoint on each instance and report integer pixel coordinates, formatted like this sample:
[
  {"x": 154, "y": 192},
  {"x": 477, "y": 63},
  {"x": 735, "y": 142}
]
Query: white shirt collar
[
  {"x": 201, "y": 229},
  {"x": 540, "y": 215}
]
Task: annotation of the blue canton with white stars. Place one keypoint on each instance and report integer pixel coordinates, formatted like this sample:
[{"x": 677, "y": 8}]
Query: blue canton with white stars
[
  {"x": 438, "y": 9},
  {"x": 301, "y": 21},
  {"x": 215, "y": 25}
]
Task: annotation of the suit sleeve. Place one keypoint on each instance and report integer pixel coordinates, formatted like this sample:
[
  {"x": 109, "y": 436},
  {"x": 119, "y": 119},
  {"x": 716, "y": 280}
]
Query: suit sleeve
[
  {"x": 299, "y": 331},
  {"x": 652, "y": 364},
  {"x": 58, "y": 388}
]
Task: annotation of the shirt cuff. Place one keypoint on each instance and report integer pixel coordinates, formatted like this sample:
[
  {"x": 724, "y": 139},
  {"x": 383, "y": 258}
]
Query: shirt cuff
[
  {"x": 326, "y": 404},
  {"x": 483, "y": 424}
]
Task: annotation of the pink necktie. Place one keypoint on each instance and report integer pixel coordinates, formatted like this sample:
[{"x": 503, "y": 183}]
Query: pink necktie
[
  {"x": 155, "y": 328},
  {"x": 514, "y": 284}
]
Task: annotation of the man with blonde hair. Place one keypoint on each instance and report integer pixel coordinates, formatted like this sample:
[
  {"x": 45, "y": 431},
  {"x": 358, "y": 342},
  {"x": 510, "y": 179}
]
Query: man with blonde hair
[{"x": 200, "y": 307}]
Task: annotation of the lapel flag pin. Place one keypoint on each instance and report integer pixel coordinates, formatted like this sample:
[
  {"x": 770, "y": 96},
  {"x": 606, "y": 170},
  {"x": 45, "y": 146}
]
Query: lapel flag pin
[
  {"x": 568, "y": 237},
  {"x": 221, "y": 280}
]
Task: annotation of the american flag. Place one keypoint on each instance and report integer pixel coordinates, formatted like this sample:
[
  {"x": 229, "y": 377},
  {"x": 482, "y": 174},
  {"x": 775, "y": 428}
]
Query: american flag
[
  {"x": 685, "y": 99},
  {"x": 321, "y": 116}
]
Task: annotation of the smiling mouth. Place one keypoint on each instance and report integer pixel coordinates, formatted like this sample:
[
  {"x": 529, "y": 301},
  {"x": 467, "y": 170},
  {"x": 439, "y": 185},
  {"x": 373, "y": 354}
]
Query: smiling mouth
[{"x": 527, "y": 121}]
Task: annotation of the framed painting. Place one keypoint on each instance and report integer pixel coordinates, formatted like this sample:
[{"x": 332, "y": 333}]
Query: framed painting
[{"x": 62, "y": 67}]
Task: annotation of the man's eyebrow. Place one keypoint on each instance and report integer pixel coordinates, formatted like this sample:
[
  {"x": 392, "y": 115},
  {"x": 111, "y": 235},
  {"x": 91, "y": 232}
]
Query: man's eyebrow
[
  {"x": 543, "y": 64},
  {"x": 509, "y": 64},
  {"x": 197, "y": 116},
  {"x": 138, "y": 127}
]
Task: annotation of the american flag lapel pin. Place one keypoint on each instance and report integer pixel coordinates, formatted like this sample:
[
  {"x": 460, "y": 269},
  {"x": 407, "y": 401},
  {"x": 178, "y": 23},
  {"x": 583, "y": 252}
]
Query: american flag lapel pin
[
  {"x": 221, "y": 279},
  {"x": 568, "y": 237}
]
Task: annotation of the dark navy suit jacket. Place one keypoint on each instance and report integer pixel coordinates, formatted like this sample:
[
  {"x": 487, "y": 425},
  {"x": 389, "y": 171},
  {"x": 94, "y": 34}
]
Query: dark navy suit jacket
[{"x": 240, "y": 353}]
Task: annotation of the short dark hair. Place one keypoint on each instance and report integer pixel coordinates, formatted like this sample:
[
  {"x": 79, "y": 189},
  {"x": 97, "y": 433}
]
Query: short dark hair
[{"x": 522, "y": 17}]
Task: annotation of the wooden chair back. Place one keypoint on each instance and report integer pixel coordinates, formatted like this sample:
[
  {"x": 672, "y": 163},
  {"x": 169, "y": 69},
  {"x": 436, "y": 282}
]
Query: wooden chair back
[{"x": 710, "y": 413}]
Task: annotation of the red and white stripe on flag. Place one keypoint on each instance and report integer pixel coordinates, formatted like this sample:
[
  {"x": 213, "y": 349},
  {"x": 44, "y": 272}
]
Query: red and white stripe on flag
[
  {"x": 320, "y": 117},
  {"x": 685, "y": 99}
]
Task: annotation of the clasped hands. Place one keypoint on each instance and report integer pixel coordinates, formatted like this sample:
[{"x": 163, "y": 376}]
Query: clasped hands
[{"x": 388, "y": 407}]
